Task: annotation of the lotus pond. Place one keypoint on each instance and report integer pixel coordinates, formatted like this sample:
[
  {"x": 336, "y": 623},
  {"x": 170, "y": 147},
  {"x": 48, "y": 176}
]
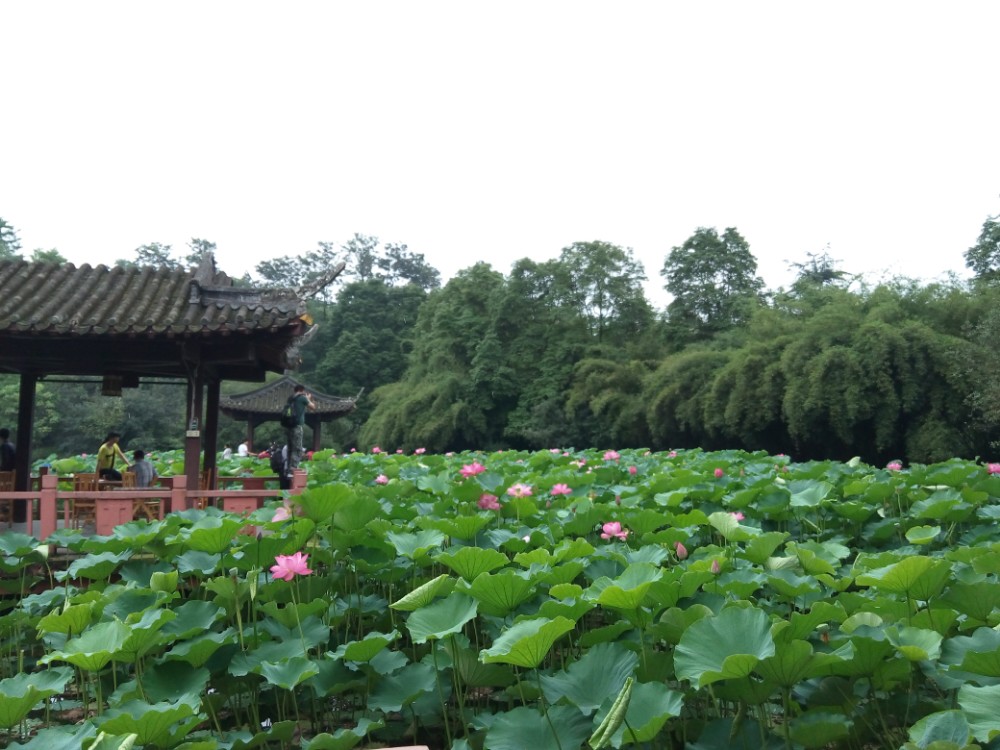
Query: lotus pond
[{"x": 549, "y": 600}]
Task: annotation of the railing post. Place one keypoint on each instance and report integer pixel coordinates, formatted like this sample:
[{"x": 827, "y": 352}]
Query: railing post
[
  {"x": 299, "y": 480},
  {"x": 47, "y": 506},
  {"x": 178, "y": 493}
]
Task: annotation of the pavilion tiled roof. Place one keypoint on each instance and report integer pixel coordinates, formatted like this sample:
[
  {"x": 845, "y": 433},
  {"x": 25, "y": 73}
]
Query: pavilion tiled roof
[
  {"x": 269, "y": 401},
  {"x": 66, "y": 300}
]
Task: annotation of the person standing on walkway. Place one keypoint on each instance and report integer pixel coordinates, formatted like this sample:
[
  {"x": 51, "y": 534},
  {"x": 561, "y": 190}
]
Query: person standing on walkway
[
  {"x": 106, "y": 458},
  {"x": 6, "y": 451},
  {"x": 300, "y": 401}
]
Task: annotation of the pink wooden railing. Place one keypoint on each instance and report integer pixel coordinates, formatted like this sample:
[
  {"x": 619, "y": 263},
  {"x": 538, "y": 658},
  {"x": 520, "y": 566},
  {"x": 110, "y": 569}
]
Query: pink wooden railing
[{"x": 118, "y": 506}]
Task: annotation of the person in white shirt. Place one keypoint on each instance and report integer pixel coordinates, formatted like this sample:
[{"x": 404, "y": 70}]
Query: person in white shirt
[
  {"x": 243, "y": 449},
  {"x": 227, "y": 453}
]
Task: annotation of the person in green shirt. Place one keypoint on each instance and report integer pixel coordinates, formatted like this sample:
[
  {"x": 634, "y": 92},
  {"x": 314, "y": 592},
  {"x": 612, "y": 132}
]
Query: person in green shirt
[
  {"x": 300, "y": 401},
  {"x": 106, "y": 457}
]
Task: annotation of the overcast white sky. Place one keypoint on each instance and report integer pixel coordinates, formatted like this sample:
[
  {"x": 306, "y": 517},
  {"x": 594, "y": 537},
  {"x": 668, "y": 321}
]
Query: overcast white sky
[{"x": 494, "y": 131}]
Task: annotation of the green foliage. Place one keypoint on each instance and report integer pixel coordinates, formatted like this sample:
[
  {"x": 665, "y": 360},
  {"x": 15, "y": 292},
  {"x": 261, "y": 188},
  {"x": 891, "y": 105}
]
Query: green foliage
[
  {"x": 984, "y": 257},
  {"x": 713, "y": 281},
  {"x": 10, "y": 243},
  {"x": 834, "y": 629}
]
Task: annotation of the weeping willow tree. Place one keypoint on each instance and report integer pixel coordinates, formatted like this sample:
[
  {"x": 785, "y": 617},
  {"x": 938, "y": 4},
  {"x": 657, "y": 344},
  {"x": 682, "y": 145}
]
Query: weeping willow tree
[
  {"x": 676, "y": 396},
  {"x": 858, "y": 374},
  {"x": 606, "y": 395}
]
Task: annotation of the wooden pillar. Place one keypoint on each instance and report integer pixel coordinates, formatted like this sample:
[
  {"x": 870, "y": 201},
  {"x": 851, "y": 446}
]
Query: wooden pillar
[
  {"x": 192, "y": 436},
  {"x": 22, "y": 446},
  {"x": 211, "y": 432},
  {"x": 250, "y": 426},
  {"x": 47, "y": 506},
  {"x": 317, "y": 426}
]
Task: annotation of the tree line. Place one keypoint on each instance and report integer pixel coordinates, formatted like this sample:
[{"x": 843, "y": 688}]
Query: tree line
[{"x": 569, "y": 352}]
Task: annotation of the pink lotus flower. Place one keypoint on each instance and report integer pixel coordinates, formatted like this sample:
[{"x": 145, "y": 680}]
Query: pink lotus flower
[
  {"x": 672, "y": 454},
  {"x": 381, "y": 479},
  {"x": 738, "y": 515},
  {"x": 287, "y": 567},
  {"x": 489, "y": 502},
  {"x": 376, "y": 449},
  {"x": 281, "y": 514},
  {"x": 555, "y": 451},
  {"x": 399, "y": 450},
  {"x": 354, "y": 450},
  {"x": 470, "y": 470},
  {"x": 719, "y": 473},
  {"x": 420, "y": 451},
  {"x": 894, "y": 466},
  {"x": 993, "y": 468},
  {"x": 681, "y": 551},
  {"x": 449, "y": 454},
  {"x": 612, "y": 455},
  {"x": 519, "y": 490},
  {"x": 716, "y": 567},
  {"x": 613, "y": 529},
  {"x": 580, "y": 463},
  {"x": 83, "y": 455},
  {"x": 633, "y": 470},
  {"x": 561, "y": 489}
]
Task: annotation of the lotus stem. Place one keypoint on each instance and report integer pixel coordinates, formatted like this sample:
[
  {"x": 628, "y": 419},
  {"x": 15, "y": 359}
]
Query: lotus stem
[
  {"x": 444, "y": 706},
  {"x": 545, "y": 709}
]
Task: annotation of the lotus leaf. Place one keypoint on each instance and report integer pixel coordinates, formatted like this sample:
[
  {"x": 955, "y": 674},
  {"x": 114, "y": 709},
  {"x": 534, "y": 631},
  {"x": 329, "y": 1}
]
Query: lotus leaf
[
  {"x": 415, "y": 546},
  {"x": 723, "y": 647},
  {"x": 365, "y": 649},
  {"x": 469, "y": 562},
  {"x": 212, "y": 534},
  {"x": 288, "y": 673},
  {"x": 922, "y": 534},
  {"x": 70, "y": 620},
  {"x": 425, "y": 593},
  {"x": 524, "y": 727},
  {"x": 197, "y": 562},
  {"x": 628, "y": 590},
  {"x": 587, "y": 682},
  {"x": 92, "y": 650},
  {"x": 941, "y": 726},
  {"x": 164, "y": 723},
  {"x": 437, "y": 620},
  {"x": 20, "y": 693},
  {"x": 319, "y": 504},
  {"x": 526, "y": 643},
  {"x": 978, "y": 653},
  {"x": 343, "y": 739},
  {"x": 406, "y": 686},
  {"x": 795, "y": 661},
  {"x": 95, "y": 567},
  {"x": 916, "y": 576},
  {"x": 71, "y": 737},
  {"x": 819, "y": 729},
  {"x": 501, "y": 593},
  {"x": 651, "y": 705},
  {"x": 915, "y": 644},
  {"x": 980, "y": 707}
]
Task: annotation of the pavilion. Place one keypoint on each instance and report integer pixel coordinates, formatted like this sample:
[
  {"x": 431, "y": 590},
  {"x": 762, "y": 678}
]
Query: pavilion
[
  {"x": 132, "y": 324},
  {"x": 265, "y": 405}
]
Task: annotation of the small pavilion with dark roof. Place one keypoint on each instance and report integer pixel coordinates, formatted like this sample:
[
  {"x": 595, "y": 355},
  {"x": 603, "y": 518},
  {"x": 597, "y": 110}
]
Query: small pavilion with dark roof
[
  {"x": 266, "y": 404},
  {"x": 126, "y": 324}
]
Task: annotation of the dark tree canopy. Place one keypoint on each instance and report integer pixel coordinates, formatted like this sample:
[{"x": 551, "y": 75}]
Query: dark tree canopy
[
  {"x": 10, "y": 243},
  {"x": 984, "y": 257},
  {"x": 714, "y": 283}
]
